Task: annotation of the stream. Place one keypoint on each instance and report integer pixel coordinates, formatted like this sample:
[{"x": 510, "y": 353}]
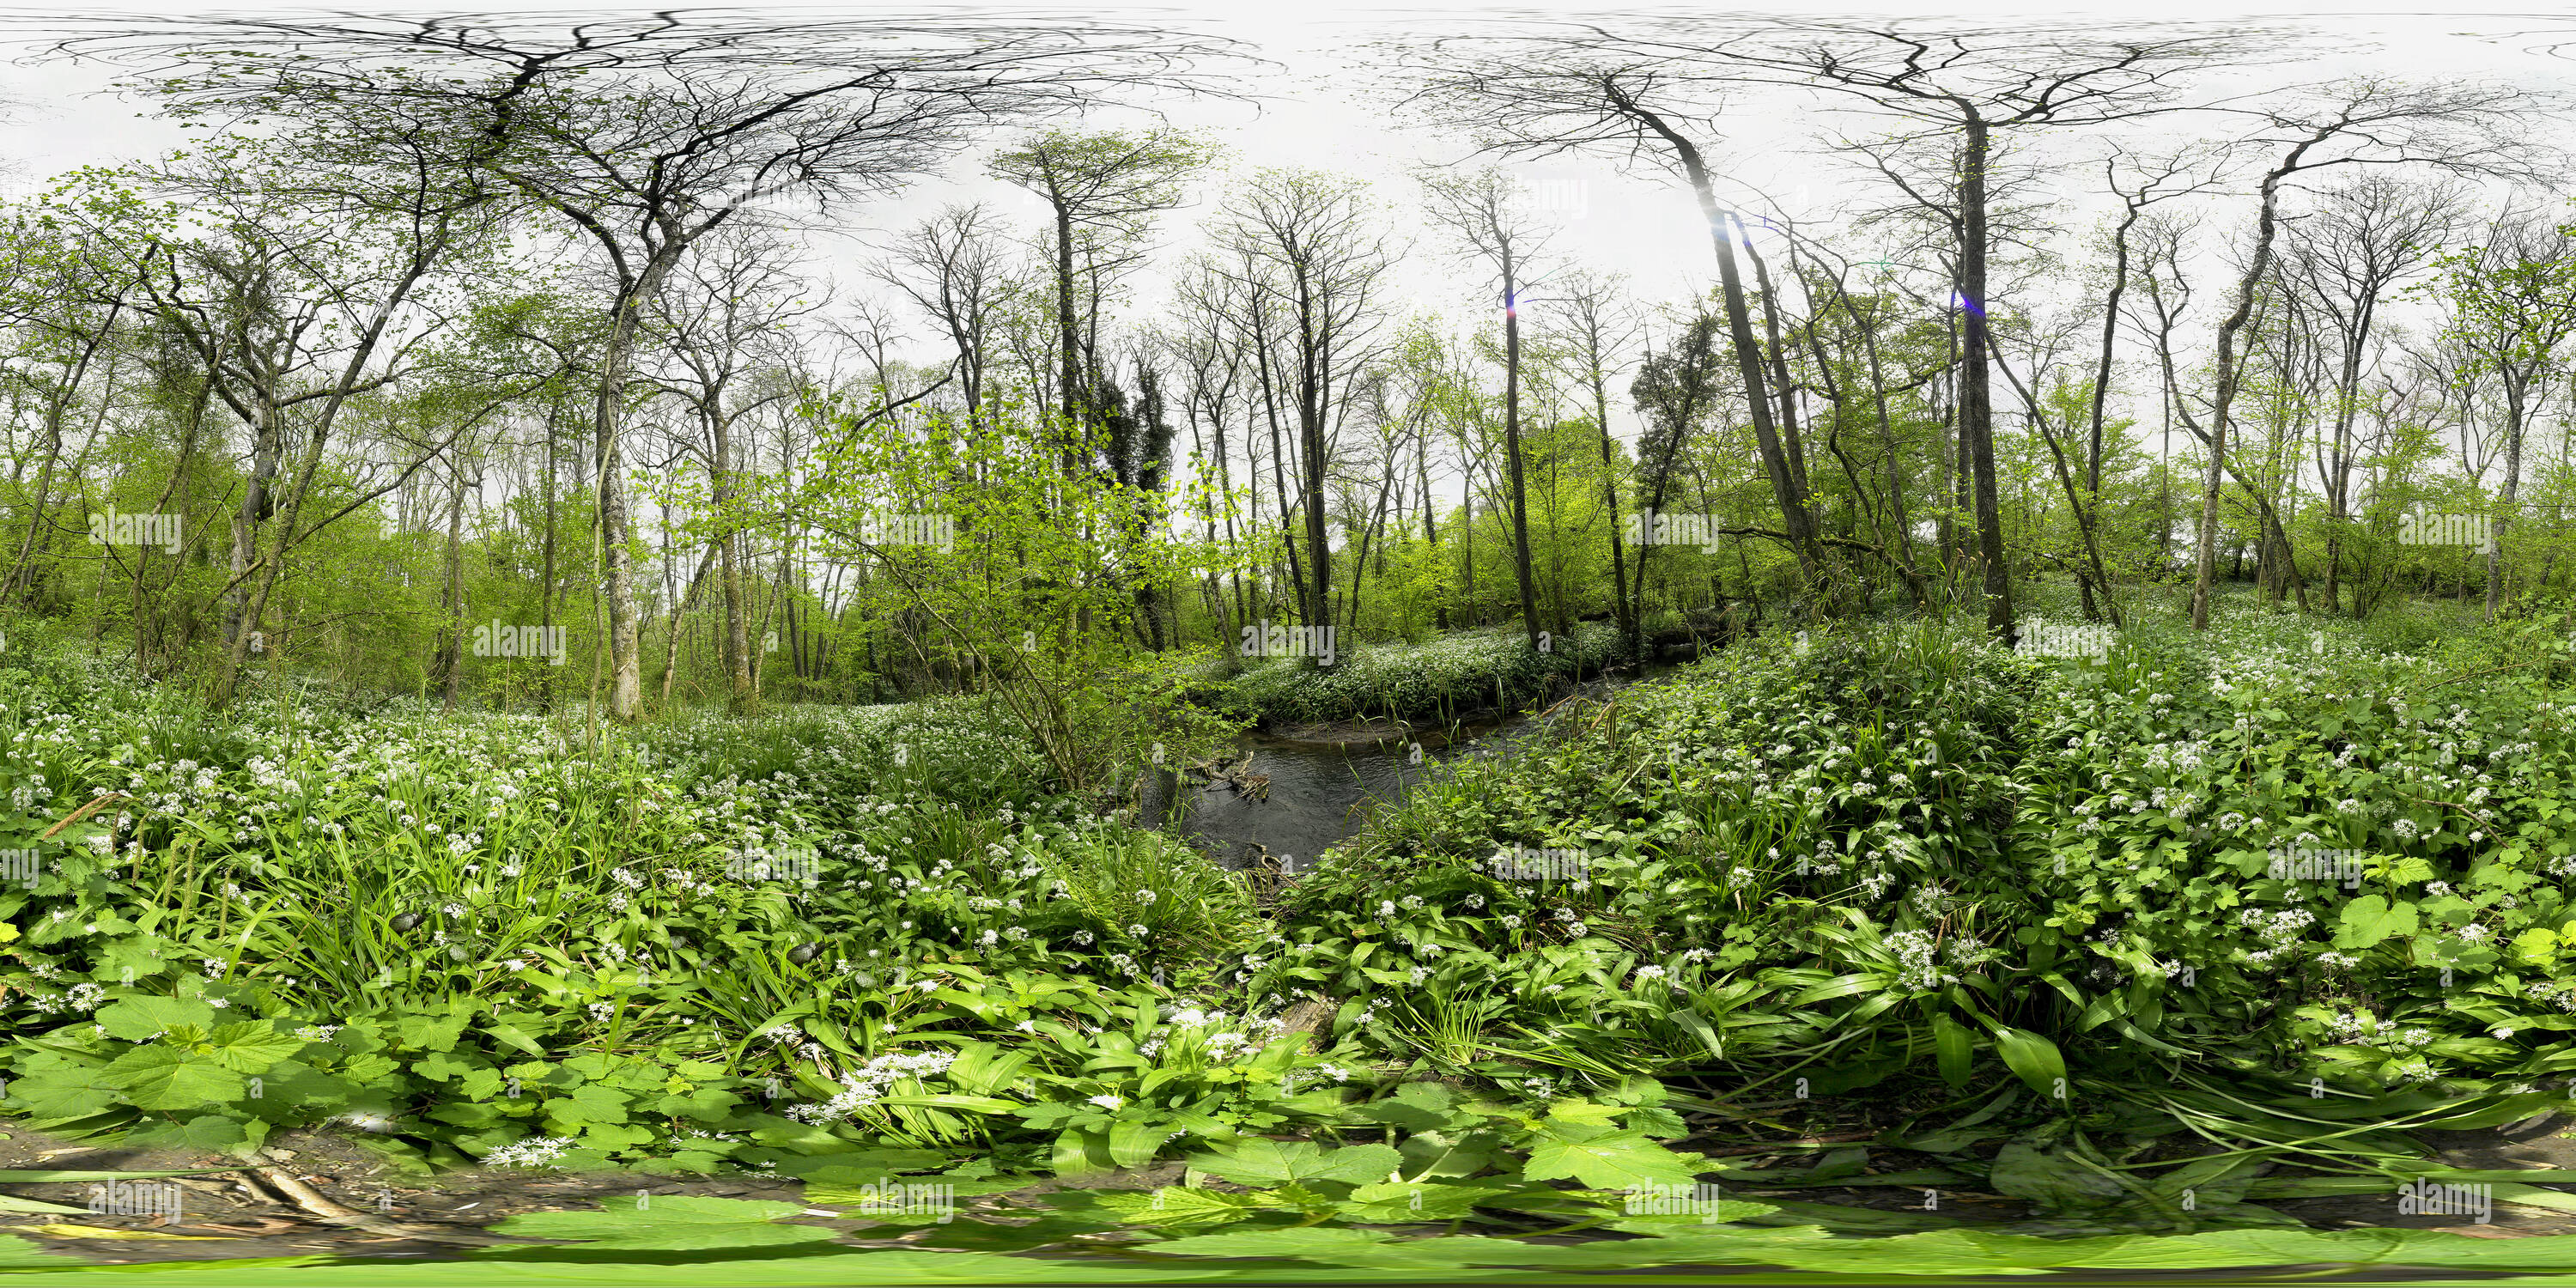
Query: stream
[{"x": 1322, "y": 788}]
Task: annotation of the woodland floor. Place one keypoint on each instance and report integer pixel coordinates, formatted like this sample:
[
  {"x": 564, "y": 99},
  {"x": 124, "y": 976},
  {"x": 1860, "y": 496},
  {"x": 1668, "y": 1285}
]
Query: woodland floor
[{"x": 226, "y": 1220}]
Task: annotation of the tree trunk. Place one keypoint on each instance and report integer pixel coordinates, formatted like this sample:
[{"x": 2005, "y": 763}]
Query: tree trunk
[
  {"x": 452, "y": 663},
  {"x": 1976, "y": 408},
  {"x": 2515, "y": 392},
  {"x": 1512, "y": 450},
  {"x": 625, "y": 692},
  {"x": 2265, "y": 226},
  {"x": 1748, "y": 354}
]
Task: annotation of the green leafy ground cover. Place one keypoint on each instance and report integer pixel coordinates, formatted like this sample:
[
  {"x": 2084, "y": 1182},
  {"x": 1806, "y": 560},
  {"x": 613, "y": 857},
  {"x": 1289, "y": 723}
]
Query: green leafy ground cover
[
  {"x": 2010, "y": 923},
  {"x": 1439, "y": 679}
]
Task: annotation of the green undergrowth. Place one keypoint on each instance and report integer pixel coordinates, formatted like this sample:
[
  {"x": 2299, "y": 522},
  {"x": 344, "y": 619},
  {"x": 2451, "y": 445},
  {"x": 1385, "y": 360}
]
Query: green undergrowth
[
  {"x": 2279, "y": 893},
  {"x": 1455, "y": 675},
  {"x": 697, "y": 946},
  {"x": 1879, "y": 905}
]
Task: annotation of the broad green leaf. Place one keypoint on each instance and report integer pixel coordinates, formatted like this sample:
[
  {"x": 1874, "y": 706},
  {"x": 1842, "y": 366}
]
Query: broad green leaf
[
  {"x": 1174, "y": 1205},
  {"x": 162, "y": 1077},
  {"x": 2536, "y": 946},
  {"x": 19, "y": 1254},
  {"x": 1134, "y": 1142},
  {"x": 1955, "y": 1047},
  {"x": 1262, "y": 1162},
  {"x": 2253, "y": 1247},
  {"x": 587, "y": 1104},
  {"x": 252, "y": 1046},
  {"x": 514, "y": 1036},
  {"x": 2033, "y": 1059},
  {"x": 1334, "y": 1245},
  {"x": 1392, "y": 1203},
  {"x": 2535, "y": 1196},
  {"x": 432, "y": 1032},
  {"x": 2054, "y": 1182},
  {"x": 213, "y": 1133},
  {"x": 13, "y": 1203},
  {"x": 2369, "y": 919},
  {"x": 136, "y": 1019},
  {"x": 1615, "y": 1161}
]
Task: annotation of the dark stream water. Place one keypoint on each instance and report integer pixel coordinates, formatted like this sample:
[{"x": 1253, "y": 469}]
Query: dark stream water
[{"x": 1321, "y": 792}]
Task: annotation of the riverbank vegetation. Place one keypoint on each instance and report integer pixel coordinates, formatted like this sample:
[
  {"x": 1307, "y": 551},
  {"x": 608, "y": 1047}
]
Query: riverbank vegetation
[{"x": 1881, "y": 877}]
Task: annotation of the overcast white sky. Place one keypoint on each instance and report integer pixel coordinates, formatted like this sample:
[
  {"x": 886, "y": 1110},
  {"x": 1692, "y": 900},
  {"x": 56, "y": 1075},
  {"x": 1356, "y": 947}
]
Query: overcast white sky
[{"x": 1323, "y": 108}]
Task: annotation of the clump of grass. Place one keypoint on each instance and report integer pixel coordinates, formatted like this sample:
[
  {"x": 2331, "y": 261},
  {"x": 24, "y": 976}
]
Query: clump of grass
[{"x": 1125, "y": 883}]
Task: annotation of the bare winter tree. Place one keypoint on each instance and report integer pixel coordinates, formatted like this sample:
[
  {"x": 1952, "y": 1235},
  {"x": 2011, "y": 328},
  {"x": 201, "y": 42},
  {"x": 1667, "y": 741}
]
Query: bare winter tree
[
  {"x": 954, "y": 266},
  {"x": 1967, "y": 84},
  {"x": 1102, "y": 191},
  {"x": 1970, "y": 85},
  {"x": 2357, "y": 241},
  {"x": 1540, "y": 95},
  {"x": 316, "y": 285},
  {"x": 726, "y": 312},
  {"x": 1593, "y": 322},
  {"x": 1487, "y": 212},
  {"x": 2457, "y": 127},
  {"x": 1311, "y": 256}
]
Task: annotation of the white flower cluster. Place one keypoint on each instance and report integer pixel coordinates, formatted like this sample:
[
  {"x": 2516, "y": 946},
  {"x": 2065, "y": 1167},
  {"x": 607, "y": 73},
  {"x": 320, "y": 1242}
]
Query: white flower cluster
[
  {"x": 535, "y": 1151},
  {"x": 83, "y": 998},
  {"x": 866, "y": 1085},
  {"x": 1916, "y": 968}
]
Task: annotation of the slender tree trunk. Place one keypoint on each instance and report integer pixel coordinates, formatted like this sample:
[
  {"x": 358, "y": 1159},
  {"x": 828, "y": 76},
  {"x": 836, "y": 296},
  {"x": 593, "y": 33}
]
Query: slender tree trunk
[
  {"x": 2265, "y": 227},
  {"x": 1748, "y": 354},
  {"x": 625, "y": 680},
  {"x": 679, "y": 612},
  {"x": 452, "y": 661},
  {"x": 2514, "y": 399},
  {"x": 1512, "y": 449},
  {"x": 1620, "y": 602},
  {"x": 1976, "y": 408}
]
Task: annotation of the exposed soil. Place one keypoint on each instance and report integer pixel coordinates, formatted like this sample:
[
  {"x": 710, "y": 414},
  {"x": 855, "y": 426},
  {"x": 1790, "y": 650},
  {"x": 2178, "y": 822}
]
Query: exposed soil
[{"x": 260, "y": 1223}]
